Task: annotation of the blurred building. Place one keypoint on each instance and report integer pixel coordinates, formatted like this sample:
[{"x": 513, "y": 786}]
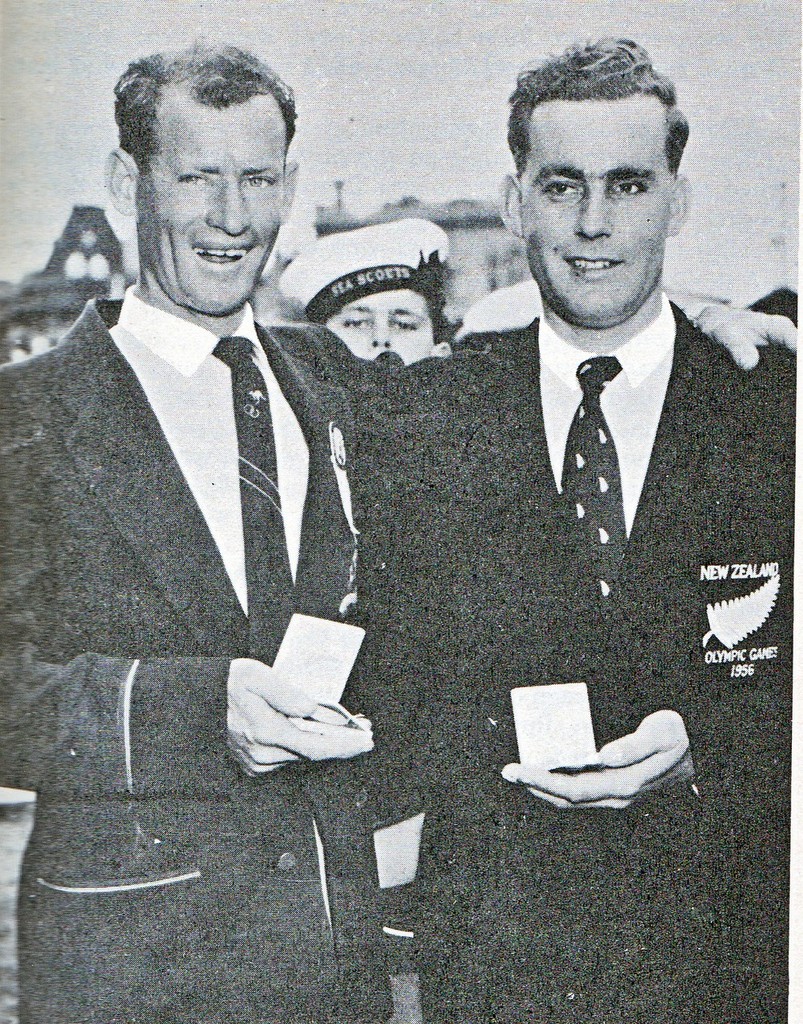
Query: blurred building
[
  {"x": 483, "y": 255},
  {"x": 86, "y": 263}
]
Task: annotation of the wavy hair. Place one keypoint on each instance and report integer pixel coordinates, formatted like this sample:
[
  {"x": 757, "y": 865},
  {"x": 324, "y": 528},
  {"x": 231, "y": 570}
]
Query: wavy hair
[
  {"x": 610, "y": 69},
  {"x": 217, "y": 77}
]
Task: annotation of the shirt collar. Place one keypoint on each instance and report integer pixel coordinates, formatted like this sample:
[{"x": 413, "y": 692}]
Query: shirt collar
[
  {"x": 639, "y": 357},
  {"x": 182, "y": 344}
]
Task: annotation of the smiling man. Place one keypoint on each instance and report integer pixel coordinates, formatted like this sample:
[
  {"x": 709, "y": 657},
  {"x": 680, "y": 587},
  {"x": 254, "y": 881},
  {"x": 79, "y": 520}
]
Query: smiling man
[
  {"x": 209, "y": 196},
  {"x": 596, "y": 219},
  {"x": 624, "y": 519},
  {"x": 178, "y": 488}
]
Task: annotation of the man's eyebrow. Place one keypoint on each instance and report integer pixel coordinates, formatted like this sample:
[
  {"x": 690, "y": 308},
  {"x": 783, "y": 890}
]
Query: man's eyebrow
[
  {"x": 247, "y": 172},
  {"x": 630, "y": 173},
  {"x": 559, "y": 171}
]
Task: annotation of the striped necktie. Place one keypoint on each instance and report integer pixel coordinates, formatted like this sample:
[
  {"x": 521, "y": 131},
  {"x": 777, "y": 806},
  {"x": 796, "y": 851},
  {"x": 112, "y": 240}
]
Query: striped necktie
[
  {"x": 267, "y": 566},
  {"x": 592, "y": 484}
]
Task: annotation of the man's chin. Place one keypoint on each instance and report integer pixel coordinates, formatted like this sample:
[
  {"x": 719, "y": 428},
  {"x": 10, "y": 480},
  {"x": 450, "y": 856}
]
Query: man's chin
[
  {"x": 220, "y": 291},
  {"x": 217, "y": 305},
  {"x": 597, "y": 321},
  {"x": 597, "y": 317}
]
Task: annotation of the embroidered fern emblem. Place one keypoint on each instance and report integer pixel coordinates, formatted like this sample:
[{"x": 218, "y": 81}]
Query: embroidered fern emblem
[{"x": 732, "y": 621}]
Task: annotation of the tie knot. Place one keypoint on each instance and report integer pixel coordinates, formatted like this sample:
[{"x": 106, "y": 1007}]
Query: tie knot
[
  {"x": 234, "y": 351},
  {"x": 595, "y": 373}
]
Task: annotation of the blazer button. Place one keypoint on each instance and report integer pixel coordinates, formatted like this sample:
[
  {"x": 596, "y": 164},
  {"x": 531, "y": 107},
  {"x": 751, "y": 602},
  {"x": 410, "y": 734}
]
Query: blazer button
[
  {"x": 286, "y": 862},
  {"x": 362, "y": 798}
]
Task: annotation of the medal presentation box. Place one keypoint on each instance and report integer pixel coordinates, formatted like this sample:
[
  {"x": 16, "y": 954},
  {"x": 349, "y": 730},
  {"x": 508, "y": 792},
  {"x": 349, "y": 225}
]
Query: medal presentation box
[{"x": 553, "y": 725}]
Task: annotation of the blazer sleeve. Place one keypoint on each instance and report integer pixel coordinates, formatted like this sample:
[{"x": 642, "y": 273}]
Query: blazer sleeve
[{"x": 100, "y": 725}]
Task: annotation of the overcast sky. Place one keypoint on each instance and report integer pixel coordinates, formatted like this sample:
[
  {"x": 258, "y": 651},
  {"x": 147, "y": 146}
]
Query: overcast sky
[{"x": 410, "y": 99}]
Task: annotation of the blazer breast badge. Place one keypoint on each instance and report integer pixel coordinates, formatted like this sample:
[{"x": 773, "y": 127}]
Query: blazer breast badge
[{"x": 735, "y": 618}]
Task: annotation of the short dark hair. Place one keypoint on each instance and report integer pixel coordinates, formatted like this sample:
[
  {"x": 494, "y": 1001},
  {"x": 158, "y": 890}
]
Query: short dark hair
[
  {"x": 611, "y": 69},
  {"x": 217, "y": 77}
]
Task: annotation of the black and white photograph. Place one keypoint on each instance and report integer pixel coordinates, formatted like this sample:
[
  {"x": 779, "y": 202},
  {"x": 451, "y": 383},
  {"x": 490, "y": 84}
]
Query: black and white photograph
[{"x": 398, "y": 420}]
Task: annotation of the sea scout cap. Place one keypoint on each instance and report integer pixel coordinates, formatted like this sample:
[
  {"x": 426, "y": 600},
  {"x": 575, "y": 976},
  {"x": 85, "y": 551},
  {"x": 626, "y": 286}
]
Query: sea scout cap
[{"x": 341, "y": 268}]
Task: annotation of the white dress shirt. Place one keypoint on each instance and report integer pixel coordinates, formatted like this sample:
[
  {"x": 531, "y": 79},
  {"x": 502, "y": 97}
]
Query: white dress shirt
[
  {"x": 631, "y": 403},
  {"x": 190, "y": 393}
]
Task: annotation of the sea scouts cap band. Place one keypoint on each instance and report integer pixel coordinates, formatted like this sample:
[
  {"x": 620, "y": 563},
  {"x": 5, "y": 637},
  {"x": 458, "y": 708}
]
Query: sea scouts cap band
[
  {"x": 351, "y": 287},
  {"x": 344, "y": 267}
]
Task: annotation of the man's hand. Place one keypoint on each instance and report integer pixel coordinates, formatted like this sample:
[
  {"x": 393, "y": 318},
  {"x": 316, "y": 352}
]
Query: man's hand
[
  {"x": 271, "y": 723},
  {"x": 655, "y": 755},
  {"x": 743, "y": 332}
]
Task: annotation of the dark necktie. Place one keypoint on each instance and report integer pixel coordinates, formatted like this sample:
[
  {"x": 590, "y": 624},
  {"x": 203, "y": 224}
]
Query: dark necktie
[
  {"x": 267, "y": 567},
  {"x": 592, "y": 484}
]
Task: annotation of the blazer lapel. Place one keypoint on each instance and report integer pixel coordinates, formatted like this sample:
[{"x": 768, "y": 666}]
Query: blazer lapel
[
  {"x": 508, "y": 450},
  {"x": 681, "y": 444},
  {"x": 118, "y": 446},
  {"x": 327, "y": 541},
  {"x": 315, "y": 403}
]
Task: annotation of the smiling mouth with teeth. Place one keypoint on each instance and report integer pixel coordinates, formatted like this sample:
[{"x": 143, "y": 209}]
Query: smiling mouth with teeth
[
  {"x": 220, "y": 255},
  {"x": 585, "y": 264}
]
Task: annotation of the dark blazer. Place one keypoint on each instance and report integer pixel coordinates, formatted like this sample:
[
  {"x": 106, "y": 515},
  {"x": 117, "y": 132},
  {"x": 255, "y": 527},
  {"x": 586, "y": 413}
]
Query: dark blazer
[
  {"x": 675, "y": 909},
  {"x": 160, "y": 882}
]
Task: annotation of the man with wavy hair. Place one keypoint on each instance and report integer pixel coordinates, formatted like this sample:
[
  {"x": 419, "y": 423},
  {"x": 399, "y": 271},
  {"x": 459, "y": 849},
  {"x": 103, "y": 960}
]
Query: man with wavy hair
[
  {"x": 625, "y": 514},
  {"x": 177, "y": 487}
]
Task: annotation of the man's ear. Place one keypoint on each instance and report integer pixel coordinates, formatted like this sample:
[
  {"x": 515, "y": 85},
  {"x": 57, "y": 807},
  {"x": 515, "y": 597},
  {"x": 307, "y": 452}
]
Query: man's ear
[
  {"x": 290, "y": 178},
  {"x": 122, "y": 175},
  {"x": 681, "y": 201},
  {"x": 511, "y": 205}
]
